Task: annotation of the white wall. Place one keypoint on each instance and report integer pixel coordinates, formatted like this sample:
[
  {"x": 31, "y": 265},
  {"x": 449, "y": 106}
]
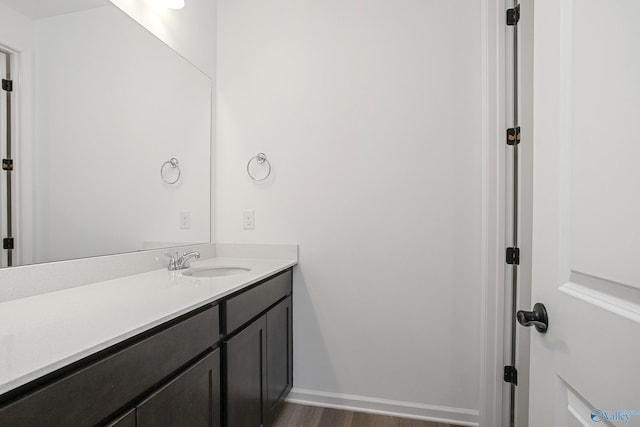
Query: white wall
[
  {"x": 16, "y": 31},
  {"x": 370, "y": 112},
  {"x": 111, "y": 108}
]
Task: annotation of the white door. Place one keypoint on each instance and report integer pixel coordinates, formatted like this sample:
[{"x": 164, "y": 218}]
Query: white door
[{"x": 585, "y": 371}]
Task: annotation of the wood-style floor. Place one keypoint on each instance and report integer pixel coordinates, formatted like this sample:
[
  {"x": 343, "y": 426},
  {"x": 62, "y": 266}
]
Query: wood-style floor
[{"x": 293, "y": 415}]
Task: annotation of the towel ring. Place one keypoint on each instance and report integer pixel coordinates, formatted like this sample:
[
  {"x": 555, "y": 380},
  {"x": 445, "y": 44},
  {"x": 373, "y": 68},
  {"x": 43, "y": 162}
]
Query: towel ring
[
  {"x": 174, "y": 164},
  {"x": 260, "y": 159}
]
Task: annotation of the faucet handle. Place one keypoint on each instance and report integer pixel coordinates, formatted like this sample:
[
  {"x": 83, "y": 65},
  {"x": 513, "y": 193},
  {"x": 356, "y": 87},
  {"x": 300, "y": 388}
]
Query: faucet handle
[{"x": 173, "y": 260}]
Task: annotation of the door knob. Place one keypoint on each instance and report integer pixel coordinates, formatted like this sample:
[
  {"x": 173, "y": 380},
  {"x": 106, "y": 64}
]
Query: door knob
[{"x": 538, "y": 318}]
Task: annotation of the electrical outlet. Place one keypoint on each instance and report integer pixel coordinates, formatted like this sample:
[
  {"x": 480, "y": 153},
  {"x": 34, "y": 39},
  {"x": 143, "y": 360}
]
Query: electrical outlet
[
  {"x": 248, "y": 220},
  {"x": 185, "y": 220}
]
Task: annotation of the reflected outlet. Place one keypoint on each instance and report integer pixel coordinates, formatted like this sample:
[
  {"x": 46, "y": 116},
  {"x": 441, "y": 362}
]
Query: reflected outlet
[
  {"x": 248, "y": 220},
  {"x": 185, "y": 220}
]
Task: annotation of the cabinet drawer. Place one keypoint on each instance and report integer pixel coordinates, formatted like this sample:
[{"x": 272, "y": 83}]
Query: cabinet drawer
[
  {"x": 247, "y": 305},
  {"x": 91, "y": 394}
]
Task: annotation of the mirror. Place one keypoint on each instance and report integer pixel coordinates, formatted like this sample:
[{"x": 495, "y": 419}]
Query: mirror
[{"x": 100, "y": 106}]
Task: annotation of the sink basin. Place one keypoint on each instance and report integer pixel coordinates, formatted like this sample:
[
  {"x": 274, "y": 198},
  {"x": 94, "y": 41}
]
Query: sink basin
[{"x": 215, "y": 271}]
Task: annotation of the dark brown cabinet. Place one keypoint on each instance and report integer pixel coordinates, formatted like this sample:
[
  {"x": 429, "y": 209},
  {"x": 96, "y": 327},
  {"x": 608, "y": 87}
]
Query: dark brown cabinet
[
  {"x": 177, "y": 374},
  {"x": 258, "y": 356}
]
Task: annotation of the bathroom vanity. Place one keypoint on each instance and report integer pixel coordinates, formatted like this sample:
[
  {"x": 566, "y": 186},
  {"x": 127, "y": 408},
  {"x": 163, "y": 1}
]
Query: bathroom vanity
[{"x": 225, "y": 360}]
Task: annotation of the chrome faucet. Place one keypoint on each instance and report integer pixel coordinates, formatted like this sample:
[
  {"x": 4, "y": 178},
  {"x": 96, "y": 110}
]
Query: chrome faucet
[
  {"x": 183, "y": 261},
  {"x": 180, "y": 263}
]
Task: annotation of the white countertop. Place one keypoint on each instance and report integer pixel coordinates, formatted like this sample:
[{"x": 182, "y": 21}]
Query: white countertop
[{"x": 43, "y": 333}]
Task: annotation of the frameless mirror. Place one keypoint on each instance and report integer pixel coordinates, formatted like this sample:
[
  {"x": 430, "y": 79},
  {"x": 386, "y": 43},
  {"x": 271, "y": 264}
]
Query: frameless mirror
[{"x": 99, "y": 108}]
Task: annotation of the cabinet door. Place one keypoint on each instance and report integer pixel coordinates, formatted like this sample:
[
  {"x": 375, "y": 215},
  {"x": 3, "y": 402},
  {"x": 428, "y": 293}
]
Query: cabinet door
[
  {"x": 279, "y": 355},
  {"x": 246, "y": 357},
  {"x": 191, "y": 399}
]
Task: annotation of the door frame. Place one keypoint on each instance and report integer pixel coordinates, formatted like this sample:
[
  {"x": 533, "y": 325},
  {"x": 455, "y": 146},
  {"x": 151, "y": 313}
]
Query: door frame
[
  {"x": 496, "y": 207},
  {"x": 12, "y": 58},
  {"x": 492, "y": 322},
  {"x": 23, "y": 105},
  {"x": 6, "y": 71}
]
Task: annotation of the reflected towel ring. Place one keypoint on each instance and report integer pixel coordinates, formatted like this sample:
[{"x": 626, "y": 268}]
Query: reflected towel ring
[
  {"x": 174, "y": 164},
  {"x": 260, "y": 159}
]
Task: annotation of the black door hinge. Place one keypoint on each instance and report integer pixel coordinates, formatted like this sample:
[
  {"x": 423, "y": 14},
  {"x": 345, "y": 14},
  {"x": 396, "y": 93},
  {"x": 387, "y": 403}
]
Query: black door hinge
[
  {"x": 7, "y": 164},
  {"x": 7, "y": 85},
  {"x": 513, "y": 16},
  {"x": 513, "y": 136},
  {"x": 7, "y": 243},
  {"x": 511, "y": 375},
  {"x": 513, "y": 256}
]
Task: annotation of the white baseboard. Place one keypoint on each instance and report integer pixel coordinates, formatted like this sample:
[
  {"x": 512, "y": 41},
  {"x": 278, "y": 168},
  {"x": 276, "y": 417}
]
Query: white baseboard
[{"x": 441, "y": 414}]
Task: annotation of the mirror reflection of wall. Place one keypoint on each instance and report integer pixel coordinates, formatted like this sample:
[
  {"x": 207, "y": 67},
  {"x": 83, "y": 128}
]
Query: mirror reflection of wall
[{"x": 101, "y": 104}]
